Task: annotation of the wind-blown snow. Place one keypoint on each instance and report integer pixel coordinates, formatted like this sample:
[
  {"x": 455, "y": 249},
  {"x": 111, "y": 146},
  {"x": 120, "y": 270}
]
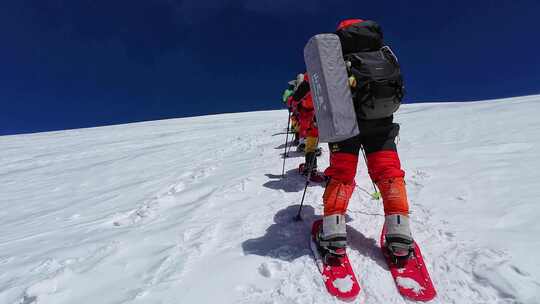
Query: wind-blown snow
[{"x": 194, "y": 211}]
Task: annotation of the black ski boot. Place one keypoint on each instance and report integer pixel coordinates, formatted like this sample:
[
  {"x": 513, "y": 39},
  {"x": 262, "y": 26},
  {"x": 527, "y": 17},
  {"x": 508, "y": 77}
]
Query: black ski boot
[
  {"x": 331, "y": 239},
  {"x": 301, "y": 147},
  {"x": 296, "y": 140},
  {"x": 398, "y": 237}
]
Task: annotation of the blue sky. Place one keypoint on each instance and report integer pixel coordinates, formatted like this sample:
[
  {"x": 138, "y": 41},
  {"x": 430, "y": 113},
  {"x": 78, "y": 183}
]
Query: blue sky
[{"x": 71, "y": 64}]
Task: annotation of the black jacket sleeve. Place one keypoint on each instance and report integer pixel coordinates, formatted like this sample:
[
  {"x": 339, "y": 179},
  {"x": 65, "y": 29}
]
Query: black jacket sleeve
[{"x": 301, "y": 91}]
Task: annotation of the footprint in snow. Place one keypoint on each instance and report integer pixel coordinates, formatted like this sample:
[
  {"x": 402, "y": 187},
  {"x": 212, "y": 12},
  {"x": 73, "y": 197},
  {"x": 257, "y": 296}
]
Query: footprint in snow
[{"x": 269, "y": 269}]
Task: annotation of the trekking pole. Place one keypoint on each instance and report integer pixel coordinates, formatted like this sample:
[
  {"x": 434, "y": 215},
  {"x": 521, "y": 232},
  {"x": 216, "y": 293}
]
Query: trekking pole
[
  {"x": 291, "y": 131},
  {"x": 376, "y": 195},
  {"x": 286, "y": 141},
  {"x": 298, "y": 216}
]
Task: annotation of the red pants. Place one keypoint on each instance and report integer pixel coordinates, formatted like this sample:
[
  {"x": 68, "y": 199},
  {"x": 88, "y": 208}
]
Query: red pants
[{"x": 378, "y": 139}]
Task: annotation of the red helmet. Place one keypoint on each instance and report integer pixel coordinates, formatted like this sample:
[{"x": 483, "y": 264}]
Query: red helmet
[{"x": 348, "y": 22}]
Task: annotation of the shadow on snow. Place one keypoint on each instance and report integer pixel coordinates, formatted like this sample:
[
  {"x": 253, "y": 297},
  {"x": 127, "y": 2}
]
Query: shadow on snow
[
  {"x": 288, "y": 240},
  {"x": 367, "y": 247},
  {"x": 292, "y": 154},
  {"x": 292, "y": 182},
  {"x": 282, "y": 146}
]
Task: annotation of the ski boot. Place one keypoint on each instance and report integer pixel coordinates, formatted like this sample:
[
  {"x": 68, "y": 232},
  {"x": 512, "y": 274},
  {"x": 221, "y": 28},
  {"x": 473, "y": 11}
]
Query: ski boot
[
  {"x": 315, "y": 176},
  {"x": 331, "y": 239},
  {"x": 398, "y": 237},
  {"x": 310, "y": 164},
  {"x": 301, "y": 147},
  {"x": 296, "y": 140}
]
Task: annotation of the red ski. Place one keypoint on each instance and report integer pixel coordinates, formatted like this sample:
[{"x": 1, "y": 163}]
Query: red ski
[
  {"x": 337, "y": 274},
  {"x": 411, "y": 276}
]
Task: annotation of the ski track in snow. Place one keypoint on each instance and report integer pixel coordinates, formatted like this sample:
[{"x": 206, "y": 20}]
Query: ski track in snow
[{"x": 195, "y": 211}]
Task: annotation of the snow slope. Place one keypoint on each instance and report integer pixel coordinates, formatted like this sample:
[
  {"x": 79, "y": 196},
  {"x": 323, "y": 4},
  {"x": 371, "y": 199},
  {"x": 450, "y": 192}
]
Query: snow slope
[{"x": 194, "y": 210}]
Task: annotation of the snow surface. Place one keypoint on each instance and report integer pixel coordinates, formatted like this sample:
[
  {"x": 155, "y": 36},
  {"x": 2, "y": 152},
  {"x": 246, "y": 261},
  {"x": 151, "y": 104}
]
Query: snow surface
[
  {"x": 344, "y": 284},
  {"x": 194, "y": 211},
  {"x": 409, "y": 283}
]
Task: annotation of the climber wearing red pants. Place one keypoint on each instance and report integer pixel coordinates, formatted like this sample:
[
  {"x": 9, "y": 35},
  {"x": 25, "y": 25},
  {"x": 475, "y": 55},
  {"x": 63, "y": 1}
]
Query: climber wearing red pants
[{"x": 377, "y": 136}]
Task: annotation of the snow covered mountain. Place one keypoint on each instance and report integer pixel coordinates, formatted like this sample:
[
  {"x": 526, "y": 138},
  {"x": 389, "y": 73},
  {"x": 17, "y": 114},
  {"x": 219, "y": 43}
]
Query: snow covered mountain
[{"x": 194, "y": 210}]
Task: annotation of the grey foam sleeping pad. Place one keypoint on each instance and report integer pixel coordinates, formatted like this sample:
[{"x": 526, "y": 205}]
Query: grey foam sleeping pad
[{"x": 332, "y": 97}]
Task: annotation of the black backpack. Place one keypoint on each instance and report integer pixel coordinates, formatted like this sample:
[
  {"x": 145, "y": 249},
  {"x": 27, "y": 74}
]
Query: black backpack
[{"x": 378, "y": 88}]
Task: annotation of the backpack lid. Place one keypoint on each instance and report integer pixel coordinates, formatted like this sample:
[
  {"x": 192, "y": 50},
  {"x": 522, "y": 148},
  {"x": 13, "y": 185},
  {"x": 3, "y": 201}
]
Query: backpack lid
[
  {"x": 362, "y": 36},
  {"x": 348, "y": 22}
]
